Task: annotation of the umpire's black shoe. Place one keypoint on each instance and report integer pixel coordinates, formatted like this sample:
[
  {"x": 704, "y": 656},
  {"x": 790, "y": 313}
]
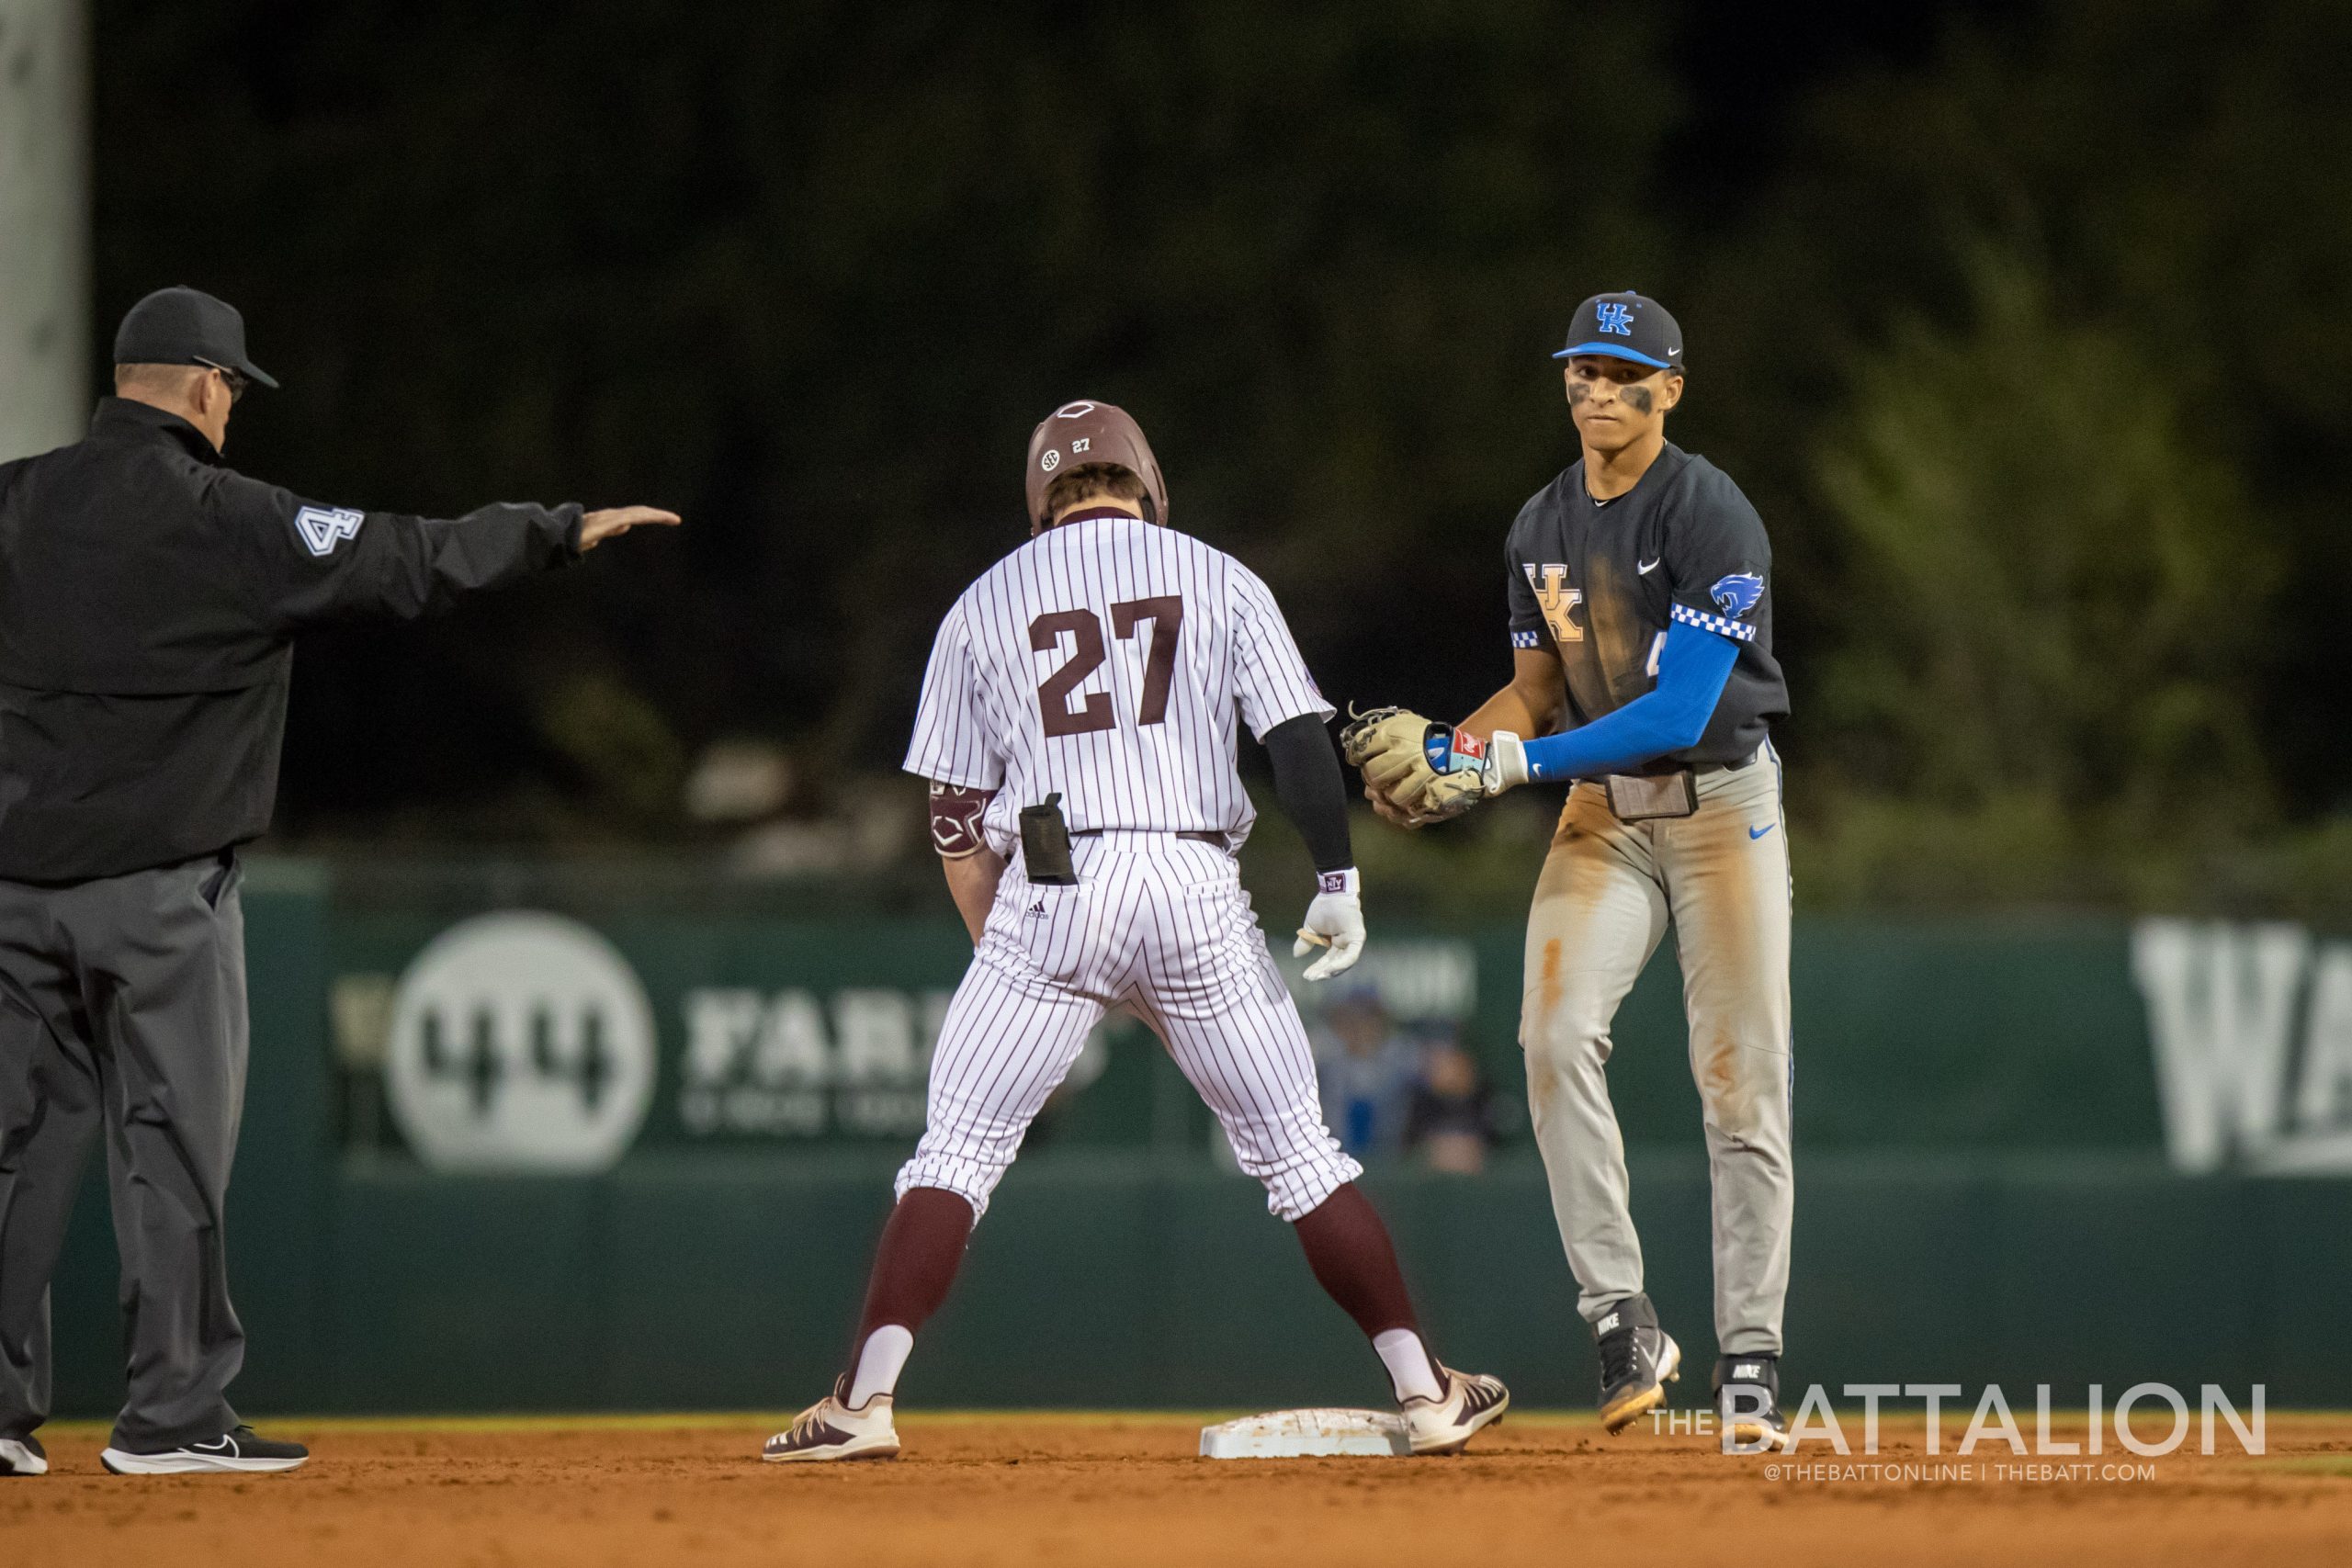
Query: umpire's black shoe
[
  {"x": 1638, "y": 1358},
  {"x": 242, "y": 1452},
  {"x": 1748, "y": 1398},
  {"x": 23, "y": 1456}
]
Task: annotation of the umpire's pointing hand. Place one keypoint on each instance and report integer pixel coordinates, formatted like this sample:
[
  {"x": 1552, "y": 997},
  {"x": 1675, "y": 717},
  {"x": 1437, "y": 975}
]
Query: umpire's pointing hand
[{"x": 611, "y": 523}]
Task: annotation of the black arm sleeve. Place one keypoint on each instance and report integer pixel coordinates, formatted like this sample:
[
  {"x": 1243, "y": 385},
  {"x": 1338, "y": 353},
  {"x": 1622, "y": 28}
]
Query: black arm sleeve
[{"x": 1309, "y": 783}]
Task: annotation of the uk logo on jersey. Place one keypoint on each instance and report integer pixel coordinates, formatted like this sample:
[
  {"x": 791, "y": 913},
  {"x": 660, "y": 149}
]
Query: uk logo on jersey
[
  {"x": 324, "y": 527},
  {"x": 1738, "y": 593},
  {"x": 1616, "y": 318},
  {"x": 1555, "y": 599}
]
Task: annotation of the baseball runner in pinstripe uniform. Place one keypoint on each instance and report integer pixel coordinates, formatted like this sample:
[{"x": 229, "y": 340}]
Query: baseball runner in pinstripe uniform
[{"x": 1078, "y": 725}]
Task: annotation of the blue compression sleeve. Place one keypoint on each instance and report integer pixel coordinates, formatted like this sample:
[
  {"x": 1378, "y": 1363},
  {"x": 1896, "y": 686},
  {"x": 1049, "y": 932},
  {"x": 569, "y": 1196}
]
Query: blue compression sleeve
[{"x": 1691, "y": 670}]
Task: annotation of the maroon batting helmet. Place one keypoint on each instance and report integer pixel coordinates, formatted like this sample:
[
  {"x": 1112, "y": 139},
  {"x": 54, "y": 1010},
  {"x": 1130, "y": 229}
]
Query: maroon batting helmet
[{"x": 1087, "y": 431}]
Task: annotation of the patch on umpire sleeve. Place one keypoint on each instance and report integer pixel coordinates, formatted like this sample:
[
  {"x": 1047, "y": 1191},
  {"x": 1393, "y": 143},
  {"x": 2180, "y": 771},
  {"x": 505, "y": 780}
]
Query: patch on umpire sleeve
[{"x": 324, "y": 527}]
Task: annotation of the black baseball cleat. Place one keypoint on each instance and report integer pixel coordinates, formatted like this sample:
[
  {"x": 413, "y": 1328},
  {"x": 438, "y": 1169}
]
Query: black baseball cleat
[
  {"x": 1748, "y": 1398},
  {"x": 241, "y": 1451},
  {"x": 1638, "y": 1358},
  {"x": 23, "y": 1456}
]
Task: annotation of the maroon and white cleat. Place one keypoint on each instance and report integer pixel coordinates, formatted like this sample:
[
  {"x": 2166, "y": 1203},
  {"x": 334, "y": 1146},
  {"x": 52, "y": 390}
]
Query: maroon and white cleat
[
  {"x": 1443, "y": 1426},
  {"x": 829, "y": 1429}
]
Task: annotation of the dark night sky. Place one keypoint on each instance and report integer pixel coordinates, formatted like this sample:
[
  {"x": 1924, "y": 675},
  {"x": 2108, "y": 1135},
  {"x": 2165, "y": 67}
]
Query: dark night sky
[{"x": 1745, "y": 65}]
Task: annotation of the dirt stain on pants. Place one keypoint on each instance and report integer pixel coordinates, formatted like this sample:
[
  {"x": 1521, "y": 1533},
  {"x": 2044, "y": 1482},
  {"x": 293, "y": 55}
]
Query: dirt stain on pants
[{"x": 1609, "y": 892}]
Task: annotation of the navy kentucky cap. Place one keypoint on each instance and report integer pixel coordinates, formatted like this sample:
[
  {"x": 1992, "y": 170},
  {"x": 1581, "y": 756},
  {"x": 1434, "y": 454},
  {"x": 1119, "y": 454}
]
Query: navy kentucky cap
[
  {"x": 184, "y": 326},
  {"x": 1627, "y": 326}
]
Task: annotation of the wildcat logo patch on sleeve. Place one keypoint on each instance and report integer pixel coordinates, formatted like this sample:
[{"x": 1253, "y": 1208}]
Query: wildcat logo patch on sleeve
[{"x": 1738, "y": 593}]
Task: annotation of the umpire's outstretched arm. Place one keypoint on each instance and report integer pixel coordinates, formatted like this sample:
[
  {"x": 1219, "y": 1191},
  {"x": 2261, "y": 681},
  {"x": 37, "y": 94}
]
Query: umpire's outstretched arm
[{"x": 310, "y": 563}]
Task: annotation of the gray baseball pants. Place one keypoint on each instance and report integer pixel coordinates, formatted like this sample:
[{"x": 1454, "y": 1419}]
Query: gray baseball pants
[
  {"x": 122, "y": 1006},
  {"x": 1607, "y": 892}
]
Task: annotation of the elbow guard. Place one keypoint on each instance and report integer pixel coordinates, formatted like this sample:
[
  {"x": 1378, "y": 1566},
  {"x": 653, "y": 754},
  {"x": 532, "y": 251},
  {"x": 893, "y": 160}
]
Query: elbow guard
[{"x": 955, "y": 813}]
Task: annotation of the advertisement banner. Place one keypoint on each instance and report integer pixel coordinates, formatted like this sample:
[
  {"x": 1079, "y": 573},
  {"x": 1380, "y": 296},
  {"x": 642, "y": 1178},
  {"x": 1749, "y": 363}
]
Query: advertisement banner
[
  {"x": 523, "y": 1040},
  {"x": 528, "y": 1037}
]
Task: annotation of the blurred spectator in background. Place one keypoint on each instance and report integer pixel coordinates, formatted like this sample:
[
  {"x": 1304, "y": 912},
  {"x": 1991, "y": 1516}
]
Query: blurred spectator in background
[
  {"x": 1368, "y": 1070},
  {"x": 1451, "y": 1119}
]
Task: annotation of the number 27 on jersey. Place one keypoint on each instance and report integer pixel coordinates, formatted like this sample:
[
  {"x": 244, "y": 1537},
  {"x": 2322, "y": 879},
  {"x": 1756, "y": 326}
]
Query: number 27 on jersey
[{"x": 1091, "y": 711}]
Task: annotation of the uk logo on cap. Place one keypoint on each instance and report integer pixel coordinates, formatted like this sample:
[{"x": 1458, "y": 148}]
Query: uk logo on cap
[{"x": 1626, "y": 325}]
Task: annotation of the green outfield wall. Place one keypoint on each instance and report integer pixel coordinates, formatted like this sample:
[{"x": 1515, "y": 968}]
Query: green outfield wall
[{"x": 555, "y": 1141}]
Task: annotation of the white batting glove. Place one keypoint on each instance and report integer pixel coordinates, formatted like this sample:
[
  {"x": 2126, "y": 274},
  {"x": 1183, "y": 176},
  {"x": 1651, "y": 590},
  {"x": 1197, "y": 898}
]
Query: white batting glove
[
  {"x": 1334, "y": 920},
  {"x": 1464, "y": 771},
  {"x": 1506, "y": 763}
]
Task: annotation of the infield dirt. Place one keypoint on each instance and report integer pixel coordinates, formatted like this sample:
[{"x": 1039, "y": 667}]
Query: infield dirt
[{"x": 1030, "y": 1488}]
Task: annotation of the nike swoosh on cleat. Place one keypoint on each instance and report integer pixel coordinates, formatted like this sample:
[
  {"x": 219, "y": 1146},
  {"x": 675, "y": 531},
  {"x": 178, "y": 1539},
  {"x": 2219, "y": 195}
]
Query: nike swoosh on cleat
[
  {"x": 1759, "y": 832},
  {"x": 222, "y": 1447}
]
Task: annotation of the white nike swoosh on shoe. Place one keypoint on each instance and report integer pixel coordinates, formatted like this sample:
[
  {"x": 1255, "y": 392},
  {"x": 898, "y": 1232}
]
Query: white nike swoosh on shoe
[{"x": 222, "y": 1447}]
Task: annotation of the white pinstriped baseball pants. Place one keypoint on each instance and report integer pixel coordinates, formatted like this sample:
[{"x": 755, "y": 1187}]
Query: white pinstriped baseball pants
[{"x": 1159, "y": 924}]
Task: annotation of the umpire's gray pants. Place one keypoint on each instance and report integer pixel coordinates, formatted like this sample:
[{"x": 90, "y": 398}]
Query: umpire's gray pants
[
  {"x": 123, "y": 1003},
  {"x": 1608, "y": 891}
]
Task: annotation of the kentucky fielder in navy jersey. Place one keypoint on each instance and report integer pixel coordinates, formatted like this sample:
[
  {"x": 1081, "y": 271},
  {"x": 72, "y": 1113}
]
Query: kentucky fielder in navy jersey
[
  {"x": 1078, "y": 725},
  {"x": 1641, "y": 629}
]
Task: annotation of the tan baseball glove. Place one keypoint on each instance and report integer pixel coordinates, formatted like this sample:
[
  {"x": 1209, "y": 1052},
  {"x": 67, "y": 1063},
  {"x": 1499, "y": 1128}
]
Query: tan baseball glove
[{"x": 1389, "y": 744}]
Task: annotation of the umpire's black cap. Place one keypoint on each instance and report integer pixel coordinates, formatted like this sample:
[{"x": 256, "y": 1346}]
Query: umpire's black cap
[
  {"x": 1627, "y": 326},
  {"x": 185, "y": 326}
]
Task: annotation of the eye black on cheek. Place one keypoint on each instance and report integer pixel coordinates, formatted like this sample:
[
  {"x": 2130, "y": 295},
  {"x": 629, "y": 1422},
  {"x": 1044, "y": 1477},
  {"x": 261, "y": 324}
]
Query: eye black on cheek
[
  {"x": 1579, "y": 392},
  {"x": 1636, "y": 398}
]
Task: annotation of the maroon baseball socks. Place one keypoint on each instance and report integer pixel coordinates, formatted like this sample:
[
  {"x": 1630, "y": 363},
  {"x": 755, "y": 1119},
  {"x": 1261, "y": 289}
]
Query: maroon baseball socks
[
  {"x": 922, "y": 1246},
  {"x": 1354, "y": 1261}
]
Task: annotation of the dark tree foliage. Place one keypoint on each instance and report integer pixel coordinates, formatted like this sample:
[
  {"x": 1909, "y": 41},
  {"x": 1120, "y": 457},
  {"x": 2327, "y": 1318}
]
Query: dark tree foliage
[
  {"x": 2159, "y": 187},
  {"x": 811, "y": 272}
]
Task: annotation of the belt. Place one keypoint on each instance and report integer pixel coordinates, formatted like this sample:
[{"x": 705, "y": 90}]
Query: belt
[
  {"x": 1198, "y": 835},
  {"x": 1661, "y": 769}
]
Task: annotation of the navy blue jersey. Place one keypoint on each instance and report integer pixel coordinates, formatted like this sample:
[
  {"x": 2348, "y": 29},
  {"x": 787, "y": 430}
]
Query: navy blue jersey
[{"x": 1600, "y": 582}]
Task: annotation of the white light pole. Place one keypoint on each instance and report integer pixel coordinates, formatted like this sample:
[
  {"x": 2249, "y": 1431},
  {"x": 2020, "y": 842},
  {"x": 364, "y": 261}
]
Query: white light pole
[{"x": 44, "y": 224}]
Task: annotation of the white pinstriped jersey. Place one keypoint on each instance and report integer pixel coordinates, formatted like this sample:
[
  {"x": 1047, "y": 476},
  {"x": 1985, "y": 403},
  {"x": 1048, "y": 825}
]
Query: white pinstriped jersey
[{"x": 1111, "y": 661}]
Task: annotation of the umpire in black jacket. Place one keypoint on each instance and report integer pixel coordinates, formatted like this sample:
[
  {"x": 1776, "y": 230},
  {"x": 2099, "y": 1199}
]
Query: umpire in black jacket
[{"x": 149, "y": 600}]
